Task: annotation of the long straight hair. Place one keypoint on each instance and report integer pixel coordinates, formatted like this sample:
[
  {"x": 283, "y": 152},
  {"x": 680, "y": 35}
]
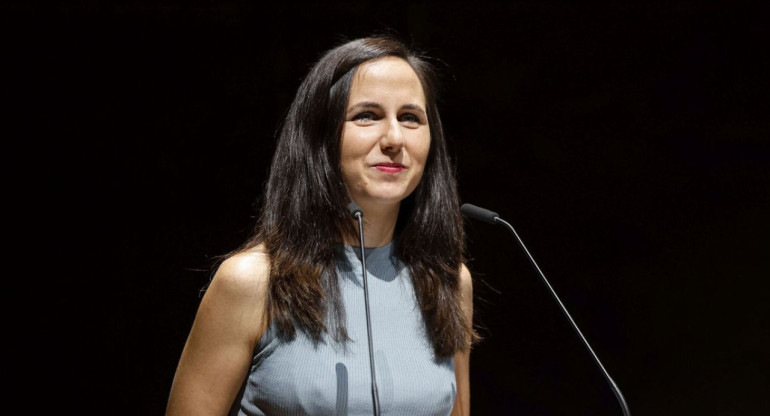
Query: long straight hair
[{"x": 303, "y": 210}]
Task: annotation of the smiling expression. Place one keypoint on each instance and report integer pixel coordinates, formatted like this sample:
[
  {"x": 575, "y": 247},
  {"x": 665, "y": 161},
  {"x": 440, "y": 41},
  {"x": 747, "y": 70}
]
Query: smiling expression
[{"x": 385, "y": 137}]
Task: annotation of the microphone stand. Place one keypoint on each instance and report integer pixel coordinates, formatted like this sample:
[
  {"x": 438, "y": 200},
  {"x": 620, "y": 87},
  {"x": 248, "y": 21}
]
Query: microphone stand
[
  {"x": 492, "y": 218},
  {"x": 358, "y": 214}
]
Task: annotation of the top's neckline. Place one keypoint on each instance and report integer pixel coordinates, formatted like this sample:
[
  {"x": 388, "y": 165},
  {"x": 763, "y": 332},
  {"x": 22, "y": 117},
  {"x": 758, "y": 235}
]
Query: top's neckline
[{"x": 371, "y": 253}]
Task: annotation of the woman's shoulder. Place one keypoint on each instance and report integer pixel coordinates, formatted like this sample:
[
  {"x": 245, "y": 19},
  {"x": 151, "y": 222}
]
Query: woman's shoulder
[
  {"x": 232, "y": 316},
  {"x": 466, "y": 283},
  {"x": 465, "y": 274},
  {"x": 245, "y": 272}
]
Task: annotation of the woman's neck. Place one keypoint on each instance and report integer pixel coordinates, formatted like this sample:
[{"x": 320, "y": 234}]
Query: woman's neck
[{"x": 379, "y": 225}]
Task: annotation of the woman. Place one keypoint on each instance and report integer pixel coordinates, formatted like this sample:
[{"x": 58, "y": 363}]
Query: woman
[{"x": 281, "y": 328}]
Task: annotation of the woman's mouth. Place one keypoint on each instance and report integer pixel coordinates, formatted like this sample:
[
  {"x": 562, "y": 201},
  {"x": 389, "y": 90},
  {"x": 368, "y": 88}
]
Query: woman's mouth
[{"x": 389, "y": 167}]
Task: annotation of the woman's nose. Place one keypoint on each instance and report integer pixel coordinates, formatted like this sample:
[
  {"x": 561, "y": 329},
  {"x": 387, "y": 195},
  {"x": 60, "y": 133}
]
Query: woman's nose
[{"x": 393, "y": 137}]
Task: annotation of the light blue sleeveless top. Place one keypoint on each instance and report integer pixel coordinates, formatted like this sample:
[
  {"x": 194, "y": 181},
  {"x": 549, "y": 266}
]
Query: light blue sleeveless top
[{"x": 300, "y": 378}]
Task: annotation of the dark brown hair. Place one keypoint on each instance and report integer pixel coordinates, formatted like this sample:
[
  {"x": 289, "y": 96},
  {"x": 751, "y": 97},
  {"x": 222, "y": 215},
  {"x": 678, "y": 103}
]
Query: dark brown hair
[{"x": 303, "y": 210}]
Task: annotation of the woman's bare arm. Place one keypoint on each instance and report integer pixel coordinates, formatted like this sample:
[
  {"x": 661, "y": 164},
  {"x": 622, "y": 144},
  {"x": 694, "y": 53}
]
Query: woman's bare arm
[
  {"x": 216, "y": 357},
  {"x": 462, "y": 405}
]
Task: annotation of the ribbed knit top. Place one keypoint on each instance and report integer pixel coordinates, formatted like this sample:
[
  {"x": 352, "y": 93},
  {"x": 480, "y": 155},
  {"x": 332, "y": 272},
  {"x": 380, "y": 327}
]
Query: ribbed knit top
[{"x": 298, "y": 377}]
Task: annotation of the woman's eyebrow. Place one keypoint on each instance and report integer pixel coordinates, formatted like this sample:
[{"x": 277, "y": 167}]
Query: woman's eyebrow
[
  {"x": 373, "y": 105},
  {"x": 364, "y": 104},
  {"x": 414, "y": 107}
]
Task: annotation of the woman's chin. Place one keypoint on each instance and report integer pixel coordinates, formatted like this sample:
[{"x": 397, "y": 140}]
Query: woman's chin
[{"x": 380, "y": 200}]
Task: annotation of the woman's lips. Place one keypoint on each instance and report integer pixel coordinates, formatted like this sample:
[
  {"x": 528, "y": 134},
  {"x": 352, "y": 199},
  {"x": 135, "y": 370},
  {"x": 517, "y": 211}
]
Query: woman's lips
[{"x": 389, "y": 167}]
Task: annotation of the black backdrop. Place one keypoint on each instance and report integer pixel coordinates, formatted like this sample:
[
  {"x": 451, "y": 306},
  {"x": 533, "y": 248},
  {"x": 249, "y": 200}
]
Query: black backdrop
[{"x": 626, "y": 142}]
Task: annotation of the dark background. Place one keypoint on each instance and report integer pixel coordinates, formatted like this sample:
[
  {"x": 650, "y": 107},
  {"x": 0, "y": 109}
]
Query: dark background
[{"x": 626, "y": 142}]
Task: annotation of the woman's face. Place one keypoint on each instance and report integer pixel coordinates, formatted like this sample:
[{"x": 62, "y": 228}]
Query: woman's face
[{"x": 385, "y": 137}]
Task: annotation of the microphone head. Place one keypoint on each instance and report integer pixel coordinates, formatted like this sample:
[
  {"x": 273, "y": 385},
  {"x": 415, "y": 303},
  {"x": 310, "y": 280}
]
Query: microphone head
[
  {"x": 479, "y": 213},
  {"x": 355, "y": 210}
]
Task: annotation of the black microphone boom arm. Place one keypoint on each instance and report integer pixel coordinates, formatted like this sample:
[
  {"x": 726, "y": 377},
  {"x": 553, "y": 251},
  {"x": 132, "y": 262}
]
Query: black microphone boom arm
[
  {"x": 358, "y": 214},
  {"x": 490, "y": 217}
]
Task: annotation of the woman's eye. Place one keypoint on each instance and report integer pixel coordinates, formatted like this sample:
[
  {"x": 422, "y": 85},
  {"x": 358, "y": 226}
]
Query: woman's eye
[
  {"x": 410, "y": 118},
  {"x": 364, "y": 117}
]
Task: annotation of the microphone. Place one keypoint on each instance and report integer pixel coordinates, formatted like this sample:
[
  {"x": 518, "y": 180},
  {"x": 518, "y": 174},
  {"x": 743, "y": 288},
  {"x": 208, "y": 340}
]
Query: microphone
[
  {"x": 490, "y": 217},
  {"x": 358, "y": 214},
  {"x": 478, "y": 213}
]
